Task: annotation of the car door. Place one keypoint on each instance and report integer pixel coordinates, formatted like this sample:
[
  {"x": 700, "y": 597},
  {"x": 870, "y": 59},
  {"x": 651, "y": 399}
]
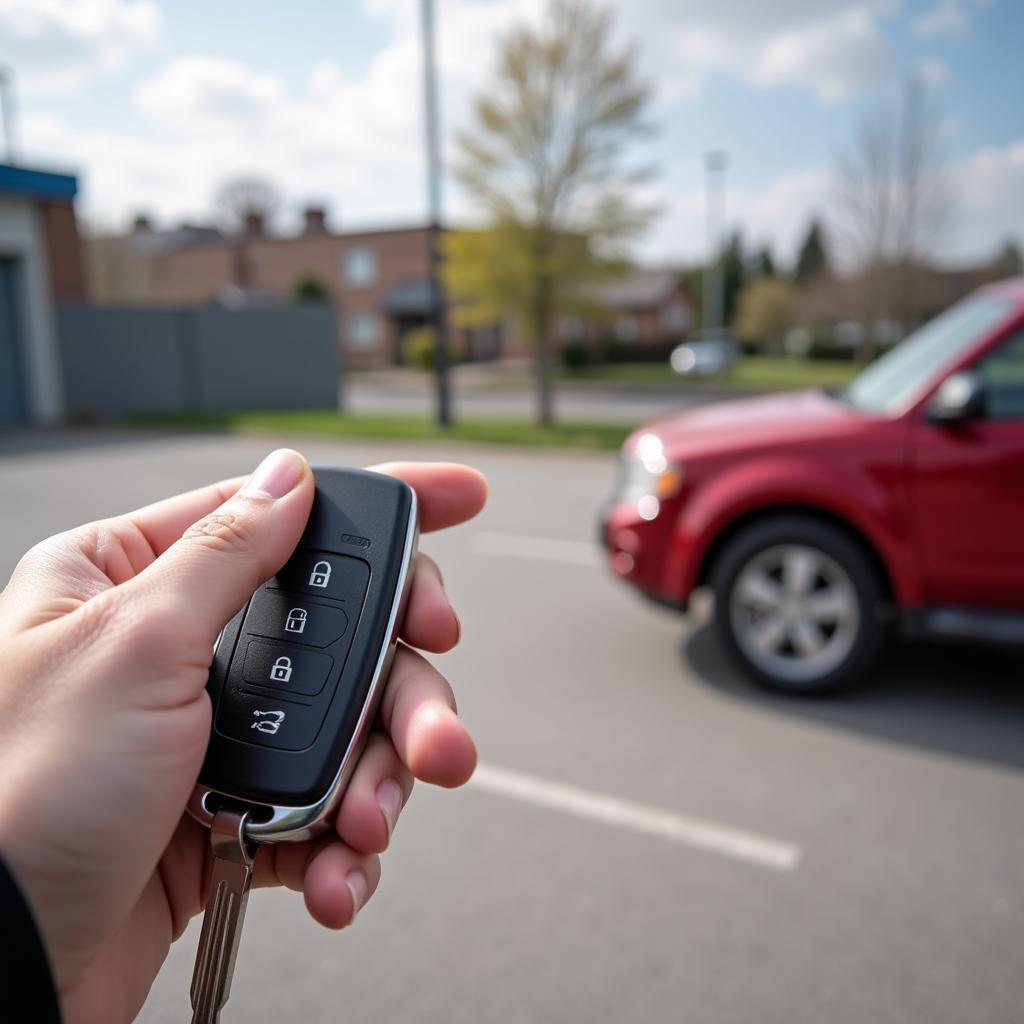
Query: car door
[{"x": 968, "y": 482}]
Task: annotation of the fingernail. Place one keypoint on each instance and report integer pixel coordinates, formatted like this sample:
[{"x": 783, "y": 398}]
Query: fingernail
[
  {"x": 458, "y": 624},
  {"x": 356, "y": 882},
  {"x": 389, "y": 799},
  {"x": 276, "y": 475}
]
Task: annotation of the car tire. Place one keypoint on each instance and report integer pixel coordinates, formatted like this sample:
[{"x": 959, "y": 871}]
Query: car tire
[{"x": 799, "y": 604}]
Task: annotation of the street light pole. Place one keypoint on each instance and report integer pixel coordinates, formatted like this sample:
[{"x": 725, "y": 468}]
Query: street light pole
[
  {"x": 714, "y": 283},
  {"x": 438, "y": 312},
  {"x": 7, "y": 111}
]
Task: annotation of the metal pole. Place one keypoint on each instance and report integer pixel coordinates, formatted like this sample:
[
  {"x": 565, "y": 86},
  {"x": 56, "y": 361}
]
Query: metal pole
[
  {"x": 7, "y": 111},
  {"x": 438, "y": 311},
  {"x": 714, "y": 282}
]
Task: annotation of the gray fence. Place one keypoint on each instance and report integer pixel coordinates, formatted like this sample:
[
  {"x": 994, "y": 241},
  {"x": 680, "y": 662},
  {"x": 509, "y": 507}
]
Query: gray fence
[{"x": 120, "y": 361}]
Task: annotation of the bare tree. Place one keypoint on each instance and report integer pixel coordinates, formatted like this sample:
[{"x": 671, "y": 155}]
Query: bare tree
[
  {"x": 246, "y": 204},
  {"x": 245, "y": 199},
  {"x": 895, "y": 207},
  {"x": 545, "y": 162}
]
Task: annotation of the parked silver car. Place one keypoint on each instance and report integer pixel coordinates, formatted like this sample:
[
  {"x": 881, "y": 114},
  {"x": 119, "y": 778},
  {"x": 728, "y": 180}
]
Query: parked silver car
[{"x": 705, "y": 354}]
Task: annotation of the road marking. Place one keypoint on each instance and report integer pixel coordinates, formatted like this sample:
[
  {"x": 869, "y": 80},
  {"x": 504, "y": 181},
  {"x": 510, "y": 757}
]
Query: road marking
[
  {"x": 545, "y": 549},
  {"x": 738, "y": 844}
]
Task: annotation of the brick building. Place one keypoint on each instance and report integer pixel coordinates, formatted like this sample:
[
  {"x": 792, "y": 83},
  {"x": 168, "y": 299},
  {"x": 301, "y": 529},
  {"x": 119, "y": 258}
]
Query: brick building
[
  {"x": 378, "y": 280},
  {"x": 646, "y": 307}
]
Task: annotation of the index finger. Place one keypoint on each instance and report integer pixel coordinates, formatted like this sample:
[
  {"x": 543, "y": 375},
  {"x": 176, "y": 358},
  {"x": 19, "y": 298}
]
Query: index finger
[{"x": 448, "y": 492}]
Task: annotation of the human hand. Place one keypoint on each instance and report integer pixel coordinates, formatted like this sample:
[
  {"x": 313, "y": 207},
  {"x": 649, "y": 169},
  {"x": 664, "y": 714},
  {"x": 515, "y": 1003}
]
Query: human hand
[{"x": 108, "y": 634}]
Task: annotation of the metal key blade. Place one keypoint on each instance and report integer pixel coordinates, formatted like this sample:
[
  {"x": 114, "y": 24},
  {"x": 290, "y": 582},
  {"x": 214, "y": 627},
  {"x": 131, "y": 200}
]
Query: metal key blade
[{"x": 225, "y": 912}]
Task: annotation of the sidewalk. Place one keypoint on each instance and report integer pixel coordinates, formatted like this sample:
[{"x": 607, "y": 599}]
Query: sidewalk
[
  {"x": 507, "y": 390},
  {"x": 516, "y": 377}
]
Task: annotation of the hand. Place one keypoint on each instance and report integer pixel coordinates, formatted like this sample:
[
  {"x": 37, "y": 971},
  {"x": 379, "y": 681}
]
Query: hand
[{"x": 107, "y": 633}]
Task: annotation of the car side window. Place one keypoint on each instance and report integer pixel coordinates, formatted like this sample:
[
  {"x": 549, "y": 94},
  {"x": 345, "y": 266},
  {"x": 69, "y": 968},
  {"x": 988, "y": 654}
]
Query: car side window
[{"x": 1003, "y": 374}]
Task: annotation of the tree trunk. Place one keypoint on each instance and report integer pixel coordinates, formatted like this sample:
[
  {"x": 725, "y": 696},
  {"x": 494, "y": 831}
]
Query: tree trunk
[{"x": 541, "y": 317}]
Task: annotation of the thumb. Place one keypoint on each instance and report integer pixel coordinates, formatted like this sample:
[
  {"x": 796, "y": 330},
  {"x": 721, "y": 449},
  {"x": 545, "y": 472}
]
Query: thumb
[{"x": 205, "y": 577}]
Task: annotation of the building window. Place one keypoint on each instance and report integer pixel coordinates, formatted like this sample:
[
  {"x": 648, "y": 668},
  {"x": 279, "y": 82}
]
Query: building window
[
  {"x": 359, "y": 266},
  {"x": 626, "y": 328},
  {"x": 362, "y": 330}
]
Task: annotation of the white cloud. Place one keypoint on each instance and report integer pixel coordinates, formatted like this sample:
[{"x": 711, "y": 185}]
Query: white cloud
[
  {"x": 986, "y": 206},
  {"x": 987, "y": 192},
  {"x": 834, "y": 48},
  {"x": 932, "y": 72},
  {"x": 60, "y": 44},
  {"x": 946, "y": 18},
  {"x": 835, "y": 58},
  {"x": 207, "y": 119}
]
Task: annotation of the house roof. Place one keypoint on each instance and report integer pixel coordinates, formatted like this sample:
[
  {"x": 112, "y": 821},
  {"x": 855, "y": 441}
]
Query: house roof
[
  {"x": 641, "y": 289},
  {"x": 26, "y": 181}
]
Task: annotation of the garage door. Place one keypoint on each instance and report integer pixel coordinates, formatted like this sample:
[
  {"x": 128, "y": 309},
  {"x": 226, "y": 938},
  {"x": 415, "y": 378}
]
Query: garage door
[{"x": 12, "y": 407}]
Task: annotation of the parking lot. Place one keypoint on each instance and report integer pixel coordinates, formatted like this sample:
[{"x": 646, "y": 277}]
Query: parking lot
[{"x": 648, "y": 838}]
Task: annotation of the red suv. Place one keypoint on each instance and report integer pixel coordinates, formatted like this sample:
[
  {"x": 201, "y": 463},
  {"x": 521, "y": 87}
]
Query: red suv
[{"x": 818, "y": 519}]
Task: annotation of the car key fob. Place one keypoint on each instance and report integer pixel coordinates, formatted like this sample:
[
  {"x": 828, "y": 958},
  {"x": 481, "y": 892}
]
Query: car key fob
[{"x": 298, "y": 673}]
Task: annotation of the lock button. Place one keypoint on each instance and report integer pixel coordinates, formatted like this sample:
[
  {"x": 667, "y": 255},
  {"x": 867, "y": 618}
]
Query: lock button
[
  {"x": 320, "y": 574},
  {"x": 288, "y": 669},
  {"x": 295, "y": 619}
]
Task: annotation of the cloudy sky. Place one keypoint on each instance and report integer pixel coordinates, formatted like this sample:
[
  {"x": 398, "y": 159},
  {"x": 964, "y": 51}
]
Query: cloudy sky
[{"x": 153, "y": 102}]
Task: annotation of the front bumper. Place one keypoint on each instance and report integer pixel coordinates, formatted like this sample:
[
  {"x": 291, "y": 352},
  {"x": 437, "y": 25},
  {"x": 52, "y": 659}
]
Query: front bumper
[{"x": 637, "y": 552}]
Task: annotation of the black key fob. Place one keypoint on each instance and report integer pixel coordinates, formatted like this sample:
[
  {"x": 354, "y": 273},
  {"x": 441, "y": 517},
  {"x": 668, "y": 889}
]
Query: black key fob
[{"x": 298, "y": 673}]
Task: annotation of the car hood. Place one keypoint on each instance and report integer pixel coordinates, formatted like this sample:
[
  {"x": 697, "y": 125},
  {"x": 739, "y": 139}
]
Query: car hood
[{"x": 749, "y": 422}]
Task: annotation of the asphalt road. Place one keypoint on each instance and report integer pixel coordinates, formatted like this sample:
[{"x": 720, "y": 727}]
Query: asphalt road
[{"x": 650, "y": 839}]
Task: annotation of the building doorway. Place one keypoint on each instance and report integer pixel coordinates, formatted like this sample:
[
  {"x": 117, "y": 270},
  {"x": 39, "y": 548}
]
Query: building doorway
[{"x": 12, "y": 381}]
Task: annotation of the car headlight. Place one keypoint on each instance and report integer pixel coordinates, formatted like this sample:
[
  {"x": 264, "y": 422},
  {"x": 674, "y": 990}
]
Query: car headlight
[{"x": 648, "y": 478}]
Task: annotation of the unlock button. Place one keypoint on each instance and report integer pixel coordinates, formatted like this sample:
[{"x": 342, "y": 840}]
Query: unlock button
[{"x": 295, "y": 619}]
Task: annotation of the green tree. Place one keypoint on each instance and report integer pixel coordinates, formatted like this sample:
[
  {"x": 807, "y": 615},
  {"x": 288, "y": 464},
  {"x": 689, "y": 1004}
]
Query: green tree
[
  {"x": 765, "y": 312},
  {"x": 764, "y": 265},
  {"x": 544, "y": 163},
  {"x": 307, "y": 287},
  {"x": 1010, "y": 261},
  {"x": 734, "y": 273},
  {"x": 812, "y": 259}
]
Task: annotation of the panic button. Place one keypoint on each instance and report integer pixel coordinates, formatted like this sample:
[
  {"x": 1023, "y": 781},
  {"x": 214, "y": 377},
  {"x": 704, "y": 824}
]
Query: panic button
[{"x": 292, "y": 618}]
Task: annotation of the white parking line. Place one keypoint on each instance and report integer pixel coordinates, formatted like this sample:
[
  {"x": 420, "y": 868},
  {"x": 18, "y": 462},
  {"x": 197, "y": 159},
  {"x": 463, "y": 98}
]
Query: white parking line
[
  {"x": 760, "y": 851},
  {"x": 545, "y": 549}
]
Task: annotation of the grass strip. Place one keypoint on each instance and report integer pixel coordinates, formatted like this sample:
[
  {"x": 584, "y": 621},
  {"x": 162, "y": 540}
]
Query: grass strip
[{"x": 597, "y": 436}]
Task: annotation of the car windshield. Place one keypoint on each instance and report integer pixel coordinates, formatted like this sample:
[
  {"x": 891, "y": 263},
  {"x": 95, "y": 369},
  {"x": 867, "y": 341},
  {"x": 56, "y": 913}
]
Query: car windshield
[{"x": 888, "y": 383}]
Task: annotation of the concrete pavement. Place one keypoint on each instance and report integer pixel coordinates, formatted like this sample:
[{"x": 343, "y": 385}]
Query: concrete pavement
[{"x": 573, "y": 882}]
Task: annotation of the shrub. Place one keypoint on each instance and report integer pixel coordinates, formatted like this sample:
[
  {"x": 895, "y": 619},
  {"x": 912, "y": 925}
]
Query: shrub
[
  {"x": 309, "y": 288},
  {"x": 575, "y": 355},
  {"x": 419, "y": 345}
]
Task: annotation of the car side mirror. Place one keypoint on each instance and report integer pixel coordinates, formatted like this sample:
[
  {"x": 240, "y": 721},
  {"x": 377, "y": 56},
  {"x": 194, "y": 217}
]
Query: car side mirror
[{"x": 961, "y": 397}]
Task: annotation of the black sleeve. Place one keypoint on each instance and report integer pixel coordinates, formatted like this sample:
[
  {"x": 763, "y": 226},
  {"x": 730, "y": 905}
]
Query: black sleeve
[{"x": 25, "y": 979}]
